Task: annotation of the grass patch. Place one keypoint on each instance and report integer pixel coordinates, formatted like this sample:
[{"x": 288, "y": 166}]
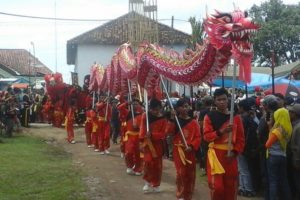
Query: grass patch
[{"x": 31, "y": 169}]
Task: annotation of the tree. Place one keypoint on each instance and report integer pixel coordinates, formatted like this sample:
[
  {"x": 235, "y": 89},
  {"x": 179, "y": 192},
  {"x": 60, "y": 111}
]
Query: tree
[
  {"x": 197, "y": 37},
  {"x": 279, "y": 32},
  {"x": 197, "y": 32}
]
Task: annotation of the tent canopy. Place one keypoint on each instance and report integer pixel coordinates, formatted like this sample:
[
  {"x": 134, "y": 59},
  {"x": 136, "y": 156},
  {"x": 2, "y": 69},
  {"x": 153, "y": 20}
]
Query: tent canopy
[
  {"x": 264, "y": 81},
  {"x": 20, "y": 85}
]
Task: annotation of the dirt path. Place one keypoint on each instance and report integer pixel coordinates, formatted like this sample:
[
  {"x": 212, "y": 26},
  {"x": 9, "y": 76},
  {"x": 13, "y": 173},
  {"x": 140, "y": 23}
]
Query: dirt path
[{"x": 106, "y": 176}]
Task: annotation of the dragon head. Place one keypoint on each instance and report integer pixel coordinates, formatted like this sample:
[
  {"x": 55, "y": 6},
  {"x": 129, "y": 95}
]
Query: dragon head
[{"x": 233, "y": 30}]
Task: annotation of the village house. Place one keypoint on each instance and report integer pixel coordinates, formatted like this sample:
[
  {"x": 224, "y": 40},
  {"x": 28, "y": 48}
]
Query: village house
[{"x": 21, "y": 68}]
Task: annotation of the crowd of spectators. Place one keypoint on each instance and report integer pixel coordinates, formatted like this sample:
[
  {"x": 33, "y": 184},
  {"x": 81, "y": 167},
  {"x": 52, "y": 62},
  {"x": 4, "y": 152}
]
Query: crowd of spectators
[{"x": 18, "y": 109}]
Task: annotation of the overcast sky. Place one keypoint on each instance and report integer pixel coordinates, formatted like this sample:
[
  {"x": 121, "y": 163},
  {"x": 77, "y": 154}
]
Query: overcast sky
[{"x": 18, "y": 33}]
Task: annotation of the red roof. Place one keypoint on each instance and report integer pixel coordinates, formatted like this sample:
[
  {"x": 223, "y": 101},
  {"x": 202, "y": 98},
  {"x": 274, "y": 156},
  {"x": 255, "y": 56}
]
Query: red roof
[{"x": 21, "y": 62}]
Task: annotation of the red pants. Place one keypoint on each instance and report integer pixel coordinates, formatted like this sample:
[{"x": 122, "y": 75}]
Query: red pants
[
  {"x": 70, "y": 132},
  {"x": 224, "y": 186},
  {"x": 104, "y": 137},
  {"x": 58, "y": 119},
  {"x": 153, "y": 171},
  {"x": 122, "y": 143},
  {"x": 132, "y": 154},
  {"x": 185, "y": 175},
  {"x": 95, "y": 139},
  {"x": 88, "y": 132}
]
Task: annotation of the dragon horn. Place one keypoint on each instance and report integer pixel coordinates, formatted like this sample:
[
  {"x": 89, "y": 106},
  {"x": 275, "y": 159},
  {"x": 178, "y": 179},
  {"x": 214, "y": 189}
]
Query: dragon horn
[{"x": 234, "y": 6}]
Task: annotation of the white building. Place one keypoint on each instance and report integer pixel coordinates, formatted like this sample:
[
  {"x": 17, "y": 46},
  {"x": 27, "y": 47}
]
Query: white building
[{"x": 98, "y": 45}]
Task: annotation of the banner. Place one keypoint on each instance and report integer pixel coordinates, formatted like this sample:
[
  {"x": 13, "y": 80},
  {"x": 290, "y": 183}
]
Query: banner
[{"x": 74, "y": 77}]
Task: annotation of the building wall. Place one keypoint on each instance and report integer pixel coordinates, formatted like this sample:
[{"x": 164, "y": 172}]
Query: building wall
[{"x": 87, "y": 55}]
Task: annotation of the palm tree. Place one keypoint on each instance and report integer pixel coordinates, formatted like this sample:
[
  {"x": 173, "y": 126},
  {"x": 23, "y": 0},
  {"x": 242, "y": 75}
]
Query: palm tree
[
  {"x": 197, "y": 37},
  {"x": 197, "y": 33}
]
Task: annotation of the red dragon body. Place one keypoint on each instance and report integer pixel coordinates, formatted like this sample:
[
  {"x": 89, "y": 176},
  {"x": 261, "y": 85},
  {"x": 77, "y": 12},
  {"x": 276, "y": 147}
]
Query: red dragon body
[{"x": 228, "y": 35}]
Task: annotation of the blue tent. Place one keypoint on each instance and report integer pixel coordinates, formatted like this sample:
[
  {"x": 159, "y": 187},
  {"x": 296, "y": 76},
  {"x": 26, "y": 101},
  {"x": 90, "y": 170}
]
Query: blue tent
[
  {"x": 264, "y": 81},
  {"x": 293, "y": 82}
]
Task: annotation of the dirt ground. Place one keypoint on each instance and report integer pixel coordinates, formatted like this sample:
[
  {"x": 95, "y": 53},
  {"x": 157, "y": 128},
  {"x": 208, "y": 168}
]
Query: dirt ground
[{"x": 106, "y": 174}]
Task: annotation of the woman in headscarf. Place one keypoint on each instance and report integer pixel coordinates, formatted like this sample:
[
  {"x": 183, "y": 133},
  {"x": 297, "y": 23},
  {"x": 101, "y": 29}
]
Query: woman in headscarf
[{"x": 279, "y": 135}]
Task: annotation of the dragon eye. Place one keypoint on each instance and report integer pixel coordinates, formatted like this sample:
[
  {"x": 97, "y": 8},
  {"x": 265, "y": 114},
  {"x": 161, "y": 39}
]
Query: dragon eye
[{"x": 227, "y": 19}]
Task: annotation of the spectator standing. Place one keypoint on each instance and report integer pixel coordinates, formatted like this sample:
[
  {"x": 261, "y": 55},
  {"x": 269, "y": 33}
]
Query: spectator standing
[
  {"x": 276, "y": 144},
  {"x": 295, "y": 146},
  {"x": 10, "y": 114},
  {"x": 25, "y": 110},
  {"x": 269, "y": 105},
  {"x": 248, "y": 158},
  {"x": 115, "y": 121}
]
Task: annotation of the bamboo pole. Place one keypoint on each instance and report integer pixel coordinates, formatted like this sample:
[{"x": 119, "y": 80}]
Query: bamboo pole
[
  {"x": 140, "y": 92},
  {"x": 147, "y": 110}
]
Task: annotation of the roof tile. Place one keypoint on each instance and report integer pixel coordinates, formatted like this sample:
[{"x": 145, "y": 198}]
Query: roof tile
[{"x": 21, "y": 62}]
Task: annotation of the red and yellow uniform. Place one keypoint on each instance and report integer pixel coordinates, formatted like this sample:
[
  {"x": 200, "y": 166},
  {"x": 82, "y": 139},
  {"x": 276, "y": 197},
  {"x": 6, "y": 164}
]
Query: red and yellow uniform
[
  {"x": 153, "y": 148},
  {"x": 222, "y": 171},
  {"x": 103, "y": 130},
  {"x": 185, "y": 161},
  {"x": 88, "y": 127},
  {"x": 69, "y": 122},
  {"x": 131, "y": 138}
]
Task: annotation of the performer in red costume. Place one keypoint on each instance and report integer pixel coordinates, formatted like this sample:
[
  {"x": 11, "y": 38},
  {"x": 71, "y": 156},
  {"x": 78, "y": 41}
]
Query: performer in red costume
[
  {"x": 88, "y": 127},
  {"x": 131, "y": 137},
  {"x": 47, "y": 110},
  {"x": 123, "y": 128},
  {"x": 222, "y": 170},
  {"x": 103, "y": 131},
  {"x": 58, "y": 114},
  {"x": 69, "y": 123},
  {"x": 153, "y": 145},
  {"x": 184, "y": 158}
]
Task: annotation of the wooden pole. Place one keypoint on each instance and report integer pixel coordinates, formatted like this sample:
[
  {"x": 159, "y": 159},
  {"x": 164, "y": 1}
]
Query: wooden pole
[
  {"x": 93, "y": 99},
  {"x": 246, "y": 90},
  {"x": 192, "y": 95},
  {"x": 273, "y": 66},
  {"x": 223, "y": 82},
  {"x": 147, "y": 110}
]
